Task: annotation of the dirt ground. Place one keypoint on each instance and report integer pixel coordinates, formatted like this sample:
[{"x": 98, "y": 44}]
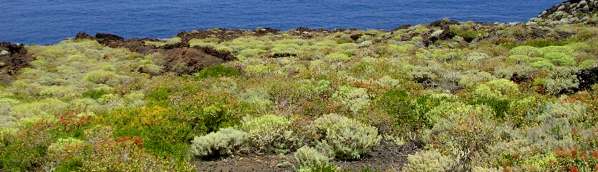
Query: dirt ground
[{"x": 385, "y": 157}]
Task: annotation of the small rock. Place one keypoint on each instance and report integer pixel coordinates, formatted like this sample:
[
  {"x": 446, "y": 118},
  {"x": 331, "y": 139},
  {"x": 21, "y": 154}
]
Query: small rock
[
  {"x": 284, "y": 164},
  {"x": 585, "y": 9},
  {"x": 2, "y": 64},
  {"x": 561, "y": 8},
  {"x": 3, "y": 52},
  {"x": 437, "y": 33}
]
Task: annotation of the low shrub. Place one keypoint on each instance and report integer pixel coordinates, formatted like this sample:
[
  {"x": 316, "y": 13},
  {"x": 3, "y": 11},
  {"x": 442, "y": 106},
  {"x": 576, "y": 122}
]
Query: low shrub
[
  {"x": 218, "y": 144},
  {"x": 496, "y": 94},
  {"x": 127, "y": 154},
  {"x": 526, "y": 51},
  {"x": 67, "y": 154},
  {"x": 428, "y": 161},
  {"x": 522, "y": 110},
  {"x": 218, "y": 71},
  {"x": 348, "y": 138},
  {"x": 562, "y": 80},
  {"x": 560, "y": 59},
  {"x": 400, "y": 105},
  {"x": 310, "y": 160},
  {"x": 271, "y": 133},
  {"x": 463, "y": 131},
  {"x": 338, "y": 57},
  {"x": 355, "y": 99},
  {"x": 543, "y": 64},
  {"x": 25, "y": 148}
]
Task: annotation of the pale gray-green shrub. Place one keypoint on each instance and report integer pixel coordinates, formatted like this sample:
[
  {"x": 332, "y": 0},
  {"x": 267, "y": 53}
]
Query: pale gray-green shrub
[
  {"x": 471, "y": 78},
  {"x": 355, "y": 99},
  {"x": 50, "y": 106},
  {"x": 348, "y": 138},
  {"x": 270, "y": 133},
  {"x": 310, "y": 159},
  {"x": 561, "y": 79},
  {"x": 221, "y": 143},
  {"x": 257, "y": 98},
  {"x": 428, "y": 161}
]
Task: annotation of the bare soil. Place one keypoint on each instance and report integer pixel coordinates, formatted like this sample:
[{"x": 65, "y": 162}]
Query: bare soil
[{"x": 386, "y": 157}]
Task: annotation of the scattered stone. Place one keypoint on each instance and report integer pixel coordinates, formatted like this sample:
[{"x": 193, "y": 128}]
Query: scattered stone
[{"x": 568, "y": 12}]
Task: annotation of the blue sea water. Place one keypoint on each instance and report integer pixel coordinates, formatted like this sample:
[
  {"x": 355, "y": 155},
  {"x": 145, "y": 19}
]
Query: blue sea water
[{"x": 49, "y": 21}]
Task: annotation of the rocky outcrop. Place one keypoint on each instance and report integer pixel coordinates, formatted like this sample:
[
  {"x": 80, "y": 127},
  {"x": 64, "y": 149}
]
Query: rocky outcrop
[
  {"x": 12, "y": 58},
  {"x": 178, "y": 58},
  {"x": 569, "y": 12}
]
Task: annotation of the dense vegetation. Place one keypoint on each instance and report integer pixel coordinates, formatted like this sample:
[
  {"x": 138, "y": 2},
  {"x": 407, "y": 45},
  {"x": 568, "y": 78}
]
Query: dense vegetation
[{"x": 478, "y": 97}]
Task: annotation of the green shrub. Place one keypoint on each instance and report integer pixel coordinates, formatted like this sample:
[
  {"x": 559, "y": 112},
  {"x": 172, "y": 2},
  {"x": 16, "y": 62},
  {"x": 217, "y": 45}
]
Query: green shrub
[
  {"x": 270, "y": 133},
  {"x": 125, "y": 154},
  {"x": 400, "y": 105},
  {"x": 526, "y": 51},
  {"x": 543, "y": 64},
  {"x": 560, "y": 59},
  {"x": 338, "y": 57},
  {"x": 521, "y": 110},
  {"x": 100, "y": 77},
  {"x": 557, "y": 49},
  {"x": 164, "y": 132},
  {"x": 590, "y": 63},
  {"x": 217, "y": 71},
  {"x": 496, "y": 94},
  {"x": 210, "y": 110},
  {"x": 518, "y": 59},
  {"x": 356, "y": 99},
  {"x": 310, "y": 160},
  {"x": 25, "y": 148},
  {"x": 67, "y": 153},
  {"x": 218, "y": 144},
  {"x": 348, "y": 138},
  {"x": 428, "y": 161},
  {"x": 463, "y": 131},
  {"x": 250, "y": 53}
]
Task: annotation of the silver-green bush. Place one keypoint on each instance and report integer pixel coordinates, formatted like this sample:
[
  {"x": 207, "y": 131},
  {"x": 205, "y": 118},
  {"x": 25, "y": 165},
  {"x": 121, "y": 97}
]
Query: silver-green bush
[
  {"x": 348, "y": 138},
  {"x": 270, "y": 133},
  {"x": 221, "y": 143},
  {"x": 427, "y": 161},
  {"x": 310, "y": 159}
]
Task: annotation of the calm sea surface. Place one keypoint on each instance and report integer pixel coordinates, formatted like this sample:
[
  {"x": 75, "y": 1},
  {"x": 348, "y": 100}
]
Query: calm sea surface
[{"x": 49, "y": 21}]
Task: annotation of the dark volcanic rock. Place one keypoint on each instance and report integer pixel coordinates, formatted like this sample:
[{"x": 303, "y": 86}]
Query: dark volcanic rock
[
  {"x": 106, "y": 37},
  {"x": 221, "y": 34},
  {"x": 12, "y": 58},
  {"x": 587, "y": 78},
  {"x": 188, "y": 60},
  {"x": 83, "y": 35},
  {"x": 443, "y": 22},
  {"x": 179, "y": 58}
]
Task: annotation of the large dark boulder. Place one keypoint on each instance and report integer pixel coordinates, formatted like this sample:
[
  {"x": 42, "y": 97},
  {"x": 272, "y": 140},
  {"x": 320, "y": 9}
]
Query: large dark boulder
[{"x": 587, "y": 78}]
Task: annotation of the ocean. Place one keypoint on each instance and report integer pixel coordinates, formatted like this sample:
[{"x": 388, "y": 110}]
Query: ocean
[{"x": 50, "y": 21}]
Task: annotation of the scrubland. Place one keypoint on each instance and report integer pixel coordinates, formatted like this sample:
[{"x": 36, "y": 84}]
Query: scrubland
[{"x": 474, "y": 97}]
